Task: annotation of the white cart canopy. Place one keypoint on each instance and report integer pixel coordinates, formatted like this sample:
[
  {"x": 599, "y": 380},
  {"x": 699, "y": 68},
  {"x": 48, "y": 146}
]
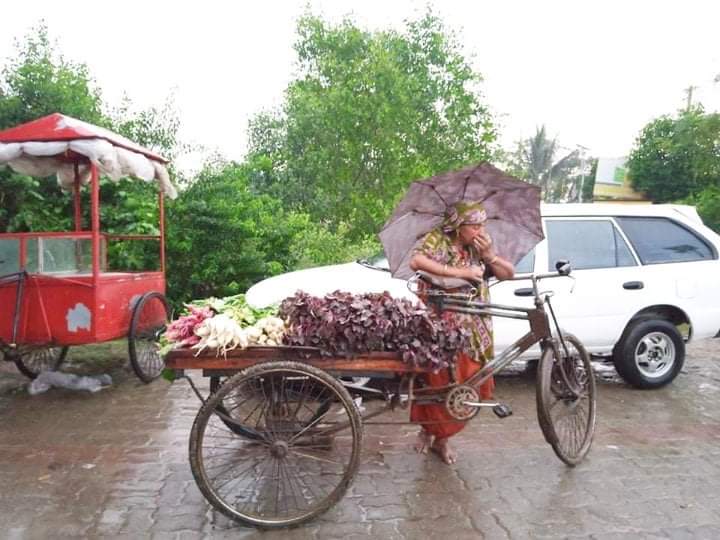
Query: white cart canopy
[{"x": 46, "y": 146}]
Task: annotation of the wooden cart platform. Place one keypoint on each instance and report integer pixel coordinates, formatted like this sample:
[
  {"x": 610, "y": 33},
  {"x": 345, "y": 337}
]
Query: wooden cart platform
[{"x": 381, "y": 364}]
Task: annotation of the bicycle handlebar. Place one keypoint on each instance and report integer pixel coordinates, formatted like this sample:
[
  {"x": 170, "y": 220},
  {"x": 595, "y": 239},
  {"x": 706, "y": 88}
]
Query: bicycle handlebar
[{"x": 563, "y": 270}]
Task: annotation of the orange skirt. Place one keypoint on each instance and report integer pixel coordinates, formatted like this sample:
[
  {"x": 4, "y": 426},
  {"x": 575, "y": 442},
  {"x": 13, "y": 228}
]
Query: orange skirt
[{"x": 443, "y": 424}]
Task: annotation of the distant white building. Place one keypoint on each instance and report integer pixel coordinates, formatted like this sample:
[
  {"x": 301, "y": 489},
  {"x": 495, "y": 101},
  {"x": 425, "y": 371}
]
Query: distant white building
[{"x": 612, "y": 183}]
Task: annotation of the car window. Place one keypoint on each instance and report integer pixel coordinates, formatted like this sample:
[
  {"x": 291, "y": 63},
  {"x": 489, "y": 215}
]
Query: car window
[
  {"x": 660, "y": 240},
  {"x": 587, "y": 244},
  {"x": 376, "y": 262},
  {"x": 526, "y": 264},
  {"x": 379, "y": 260}
]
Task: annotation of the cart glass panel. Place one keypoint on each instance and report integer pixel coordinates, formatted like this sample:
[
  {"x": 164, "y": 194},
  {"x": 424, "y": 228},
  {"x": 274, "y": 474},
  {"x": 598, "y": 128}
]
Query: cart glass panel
[{"x": 9, "y": 256}]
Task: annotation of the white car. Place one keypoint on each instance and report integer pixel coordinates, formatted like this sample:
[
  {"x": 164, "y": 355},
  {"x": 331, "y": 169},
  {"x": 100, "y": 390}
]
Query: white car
[{"x": 645, "y": 280}]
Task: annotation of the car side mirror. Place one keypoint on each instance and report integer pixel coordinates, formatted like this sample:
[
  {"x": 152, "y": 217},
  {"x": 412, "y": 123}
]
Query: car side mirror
[{"x": 563, "y": 267}]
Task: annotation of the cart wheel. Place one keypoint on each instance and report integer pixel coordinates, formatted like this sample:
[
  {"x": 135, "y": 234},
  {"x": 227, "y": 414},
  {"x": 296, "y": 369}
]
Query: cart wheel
[
  {"x": 229, "y": 415},
  {"x": 34, "y": 361},
  {"x": 566, "y": 399},
  {"x": 149, "y": 321},
  {"x": 298, "y": 463}
]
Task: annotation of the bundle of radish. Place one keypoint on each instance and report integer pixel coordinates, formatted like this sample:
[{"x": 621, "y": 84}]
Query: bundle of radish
[
  {"x": 223, "y": 324},
  {"x": 221, "y": 333}
]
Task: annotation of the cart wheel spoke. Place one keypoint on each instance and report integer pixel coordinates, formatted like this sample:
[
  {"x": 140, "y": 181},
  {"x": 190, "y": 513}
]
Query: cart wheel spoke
[
  {"x": 33, "y": 361},
  {"x": 274, "y": 457}
]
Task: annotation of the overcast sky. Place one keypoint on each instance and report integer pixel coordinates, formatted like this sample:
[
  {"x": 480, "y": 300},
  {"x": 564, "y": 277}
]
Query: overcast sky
[{"x": 594, "y": 72}]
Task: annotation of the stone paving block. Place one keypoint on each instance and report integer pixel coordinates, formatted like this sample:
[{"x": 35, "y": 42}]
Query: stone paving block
[
  {"x": 387, "y": 530},
  {"x": 390, "y": 511},
  {"x": 432, "y": 507},
  {"x": 138, "y": 522},
  {"x": 176, "y": 523},
  {"x": 442, "y": 528},
  {"x": 343, "y": 530}
]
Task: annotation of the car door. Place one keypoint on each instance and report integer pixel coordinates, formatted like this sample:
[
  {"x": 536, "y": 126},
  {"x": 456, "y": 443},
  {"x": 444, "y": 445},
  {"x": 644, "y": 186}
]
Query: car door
[
  {"x": 506, "y": 331},
  {"x": 606, "y": 284},
  {"x": 680, "y": 268}
]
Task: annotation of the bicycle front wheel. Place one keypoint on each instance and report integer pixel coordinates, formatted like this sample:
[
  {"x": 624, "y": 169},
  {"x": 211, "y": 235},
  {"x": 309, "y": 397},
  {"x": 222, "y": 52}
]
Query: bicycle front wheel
[{"x": 566, "y": 399}]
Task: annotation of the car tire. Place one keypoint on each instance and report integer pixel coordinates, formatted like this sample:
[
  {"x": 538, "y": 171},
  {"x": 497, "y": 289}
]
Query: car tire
[{"x": 650, "y": 353}]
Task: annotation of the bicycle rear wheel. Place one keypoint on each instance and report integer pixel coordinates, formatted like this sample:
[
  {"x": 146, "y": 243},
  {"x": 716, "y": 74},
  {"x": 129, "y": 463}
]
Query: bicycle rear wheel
[{"x": 566, "y": 399}]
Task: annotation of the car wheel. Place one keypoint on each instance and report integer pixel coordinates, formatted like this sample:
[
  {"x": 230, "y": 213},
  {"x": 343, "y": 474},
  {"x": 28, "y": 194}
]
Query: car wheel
[{"x": 650, "y": 354}]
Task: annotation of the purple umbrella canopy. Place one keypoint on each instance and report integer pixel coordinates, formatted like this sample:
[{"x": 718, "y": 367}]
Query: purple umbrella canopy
[{"x": 512, "y": 206}]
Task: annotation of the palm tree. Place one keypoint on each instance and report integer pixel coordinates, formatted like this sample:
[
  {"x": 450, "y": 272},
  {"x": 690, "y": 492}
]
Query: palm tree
[{"x": 535, "y": 161}]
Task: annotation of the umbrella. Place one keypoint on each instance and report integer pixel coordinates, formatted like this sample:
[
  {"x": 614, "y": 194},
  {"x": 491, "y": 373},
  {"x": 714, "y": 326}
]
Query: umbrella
[{"x": 512, "y": 206}]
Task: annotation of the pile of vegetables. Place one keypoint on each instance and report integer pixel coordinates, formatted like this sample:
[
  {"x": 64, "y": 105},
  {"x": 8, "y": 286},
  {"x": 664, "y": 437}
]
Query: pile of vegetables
[
  {"x": 339, "y": 324},
  {"x": 223, "y": 324},
  {"x": 343, "y": 324}
]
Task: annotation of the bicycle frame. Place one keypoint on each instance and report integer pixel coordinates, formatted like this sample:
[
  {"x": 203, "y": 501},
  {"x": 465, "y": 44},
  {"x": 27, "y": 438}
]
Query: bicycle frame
[{"x": 540, "y": 330}]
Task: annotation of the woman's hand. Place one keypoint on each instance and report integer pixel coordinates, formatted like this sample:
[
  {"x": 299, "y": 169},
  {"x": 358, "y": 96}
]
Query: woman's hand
[{"x": 483, "y": 244}]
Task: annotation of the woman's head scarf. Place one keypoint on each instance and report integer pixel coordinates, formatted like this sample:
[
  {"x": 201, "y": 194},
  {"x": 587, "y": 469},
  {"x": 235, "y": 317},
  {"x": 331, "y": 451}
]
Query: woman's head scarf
[{"x": 463, "y": 213}]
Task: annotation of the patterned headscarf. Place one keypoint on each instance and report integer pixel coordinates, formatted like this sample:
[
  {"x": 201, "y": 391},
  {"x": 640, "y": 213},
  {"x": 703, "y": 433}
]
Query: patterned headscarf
[{"x": 463, "y": 213}]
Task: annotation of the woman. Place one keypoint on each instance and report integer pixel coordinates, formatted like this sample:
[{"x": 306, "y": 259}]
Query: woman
[{"x": 460, "y": 248}]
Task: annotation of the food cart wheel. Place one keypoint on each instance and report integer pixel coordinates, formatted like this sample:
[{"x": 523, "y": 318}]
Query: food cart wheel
[
  {"x": 32, "y": 362},
  {"x": 566, "y": 399},
  {"x": 149, "y": 320},
  {"x": 295, "y": 468},
  {"x": 229, "y": 417}
]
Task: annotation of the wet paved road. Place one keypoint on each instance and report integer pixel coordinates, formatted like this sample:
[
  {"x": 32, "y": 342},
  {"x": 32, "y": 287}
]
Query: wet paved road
[{"x": 114, "y": 465}]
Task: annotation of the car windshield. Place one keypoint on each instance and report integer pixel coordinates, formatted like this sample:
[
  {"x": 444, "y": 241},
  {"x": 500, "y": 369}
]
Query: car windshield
[{"x": 378, "y": 261}]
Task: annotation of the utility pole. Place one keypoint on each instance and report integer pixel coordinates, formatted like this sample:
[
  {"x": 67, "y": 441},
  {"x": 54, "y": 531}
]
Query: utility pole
[
  {"x": 689, "y": 91},
  {"x": 582, "y": 149}
]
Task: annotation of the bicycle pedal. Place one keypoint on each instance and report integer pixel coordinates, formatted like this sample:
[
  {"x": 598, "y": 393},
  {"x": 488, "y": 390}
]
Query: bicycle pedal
[{"x": 502, "y": 410}]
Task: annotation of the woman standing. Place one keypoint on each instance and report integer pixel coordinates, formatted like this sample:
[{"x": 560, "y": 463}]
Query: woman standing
[{"x": 460, "y": 248}]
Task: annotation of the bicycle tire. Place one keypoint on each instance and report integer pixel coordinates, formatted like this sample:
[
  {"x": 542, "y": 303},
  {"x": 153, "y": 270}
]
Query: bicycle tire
[{"x": 566, "y": 399}]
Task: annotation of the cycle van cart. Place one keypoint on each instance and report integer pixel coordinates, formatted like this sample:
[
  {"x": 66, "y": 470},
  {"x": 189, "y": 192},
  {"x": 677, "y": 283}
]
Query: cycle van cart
[
  {"x": 55, "y": 288},
  {"x": 278, "y": 443}
]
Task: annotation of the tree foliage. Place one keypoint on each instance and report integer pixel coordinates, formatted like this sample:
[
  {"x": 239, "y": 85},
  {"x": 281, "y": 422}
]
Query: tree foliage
[
  {"x": 540, "y": 161},
  {"x": 677, "y": 157},
  {"x": 40, "y": 81},
  {"x": 707, "y": 203},
  {"x": 368, "y": 113},
  {"x": 222, "y": 236}
]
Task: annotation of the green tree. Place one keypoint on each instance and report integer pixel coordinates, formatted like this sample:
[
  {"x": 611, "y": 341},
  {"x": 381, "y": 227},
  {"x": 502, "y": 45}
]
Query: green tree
[
  {"x": 707, "y": 203},
  {"x": 223, "y": 237},
  {"x": 368, "y": 113},
  {"x": 677, "y": 157},
  {"x": 536, "y": 160},
  {"x": 36, "y": 83}
]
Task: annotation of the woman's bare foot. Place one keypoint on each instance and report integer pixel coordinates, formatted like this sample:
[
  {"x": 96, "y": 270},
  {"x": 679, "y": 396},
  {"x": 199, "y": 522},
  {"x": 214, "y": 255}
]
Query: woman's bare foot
[
  {"x": 442, "y": 448},
  {"x": 423, "y": 442}
]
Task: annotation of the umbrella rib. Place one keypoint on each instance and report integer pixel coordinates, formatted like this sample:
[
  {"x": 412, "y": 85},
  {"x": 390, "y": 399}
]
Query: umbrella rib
[{"x": 437, "y": 193}]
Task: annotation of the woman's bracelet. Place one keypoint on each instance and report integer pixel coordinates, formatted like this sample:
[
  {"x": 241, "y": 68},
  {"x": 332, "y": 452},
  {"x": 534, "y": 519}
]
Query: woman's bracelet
[
  {"x": 445, "y": 270},
  {"x": 492, "y": 261}
]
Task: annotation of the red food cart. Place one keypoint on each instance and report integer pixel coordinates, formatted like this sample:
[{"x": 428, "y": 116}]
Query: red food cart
[{"x": 56, "y": 289}]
